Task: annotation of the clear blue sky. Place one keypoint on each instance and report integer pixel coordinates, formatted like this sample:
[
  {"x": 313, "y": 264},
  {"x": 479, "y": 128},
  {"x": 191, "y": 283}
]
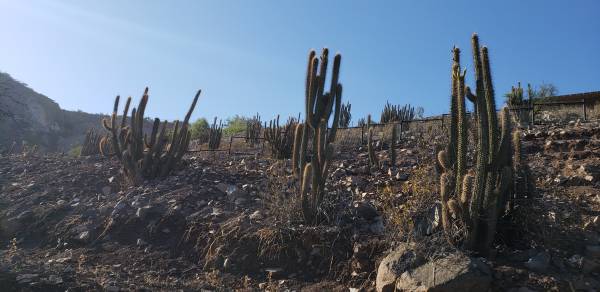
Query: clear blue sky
[{"x": 250, "y": 56}]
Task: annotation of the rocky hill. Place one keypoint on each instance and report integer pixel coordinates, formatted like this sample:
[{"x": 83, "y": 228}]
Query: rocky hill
[
  {"x": 29, "y": 117},
  {"x": 33, "y": 118}
]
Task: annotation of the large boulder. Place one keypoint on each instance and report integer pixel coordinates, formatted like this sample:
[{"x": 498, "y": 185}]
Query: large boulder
[
  {"x": 456, "y": 272},
  {"x": 393, "y": 265}
]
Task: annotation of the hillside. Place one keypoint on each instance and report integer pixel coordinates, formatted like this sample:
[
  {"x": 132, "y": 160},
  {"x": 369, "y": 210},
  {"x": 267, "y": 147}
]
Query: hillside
[{"x": 28, "y": 116}]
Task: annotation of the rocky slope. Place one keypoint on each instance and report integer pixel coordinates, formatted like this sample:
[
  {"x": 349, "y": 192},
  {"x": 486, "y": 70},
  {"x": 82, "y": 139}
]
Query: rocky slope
[
  {"x": 26, "y": 115},
  {"x": 223, "y": 222}
]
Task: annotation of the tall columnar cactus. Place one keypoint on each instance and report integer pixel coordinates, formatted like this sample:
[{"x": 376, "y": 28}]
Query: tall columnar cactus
[
  {"x": 144, "y": 156},
  {"x": 215, "y": 132},
  {"x": 373, "y": 161},
  {"x": 476, "y": 198},
  {"x": 319, "y": 107}
]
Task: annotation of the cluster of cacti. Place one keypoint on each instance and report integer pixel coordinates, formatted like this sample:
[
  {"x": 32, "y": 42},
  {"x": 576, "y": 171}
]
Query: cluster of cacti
[
  {"x": 253, "y": 130},
  {"x": 521, "y": 107},
  {"x": 392, "y": 149},
  {"x": 476, "y": 198},
  {"x": 395, "y": 113},
  {"x": 91, "y": 143},
  {"x": 281, "y": 139},
  {"x": 345, "y": 115},
  {"x": 319, "y": 107},
  {"x": 144, "y": 156},
  {"x": 373, "y": 161},
  {"x": 361, "y": 122},
  {"x": 515, "y": 96},
  {"x": 215, "y": 132}
]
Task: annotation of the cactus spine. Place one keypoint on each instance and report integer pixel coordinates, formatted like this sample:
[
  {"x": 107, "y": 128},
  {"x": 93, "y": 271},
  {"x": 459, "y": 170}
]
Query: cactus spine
[
  {"x": 481, "y": 194},
  {"x": 145, "y": 156},
  {"x": 319, "y": 107}
]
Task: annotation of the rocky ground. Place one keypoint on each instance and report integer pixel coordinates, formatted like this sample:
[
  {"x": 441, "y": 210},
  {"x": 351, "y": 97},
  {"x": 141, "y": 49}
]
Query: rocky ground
[{"x": 222, "y": 223}]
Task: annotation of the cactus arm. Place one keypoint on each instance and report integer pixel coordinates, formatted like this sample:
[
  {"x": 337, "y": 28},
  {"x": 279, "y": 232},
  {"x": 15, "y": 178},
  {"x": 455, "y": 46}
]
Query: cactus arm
[
  {"x": 465, "y": 197},
  {"x": 461, "y": 129},
  {"x": 445, "y": 194},
  {"x": 125, "y": 111},
  {"x": 336, "y": 113},
  {"x": 304, "y": 190},
  {"x": 490, "y": 101}
]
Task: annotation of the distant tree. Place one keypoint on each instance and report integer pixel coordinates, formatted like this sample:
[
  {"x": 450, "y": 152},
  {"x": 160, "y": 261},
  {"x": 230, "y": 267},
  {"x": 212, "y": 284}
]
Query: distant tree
[
  {"x": 235, "y": 125},
  {"x": 200, "y": 130},
  {"x": 516, "y": 96},
  {"x": 546, "y": 90},
  {"x": 420, "y": 112}
]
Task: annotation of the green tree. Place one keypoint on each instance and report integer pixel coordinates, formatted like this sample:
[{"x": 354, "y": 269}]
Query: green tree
[
  {"x": 235, "y": 125},
  {"x": 200, "y": 130},
  {"x": 545, "y": 90}
]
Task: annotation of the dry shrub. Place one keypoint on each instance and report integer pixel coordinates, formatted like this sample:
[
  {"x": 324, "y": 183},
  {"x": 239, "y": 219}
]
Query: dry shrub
[
  {"x": 402, "y": 206},
  {"x": 414, "y": 204},
  {"x": 282, "y": 202}
]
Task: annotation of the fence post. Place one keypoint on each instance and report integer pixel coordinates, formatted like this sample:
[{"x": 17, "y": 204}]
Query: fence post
[
  {"x": 230, "y": 142},
  {"x": 584, "y": 111}
]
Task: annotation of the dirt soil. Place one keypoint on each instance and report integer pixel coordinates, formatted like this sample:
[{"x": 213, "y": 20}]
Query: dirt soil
[{"x": 222, "y": 222}]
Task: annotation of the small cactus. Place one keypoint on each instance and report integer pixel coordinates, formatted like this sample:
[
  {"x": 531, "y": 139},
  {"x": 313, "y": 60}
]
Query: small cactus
[
  {"x": 91, "y": 143},
  {"x": 392, "y": 149},
  {"x": 373, "y": 161},
  {"x": 253, "y": 130},
  {"x": 345, "y": 115},
  {"x": 215, "y": 132},
  {"x": 280, "y": 139}
]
